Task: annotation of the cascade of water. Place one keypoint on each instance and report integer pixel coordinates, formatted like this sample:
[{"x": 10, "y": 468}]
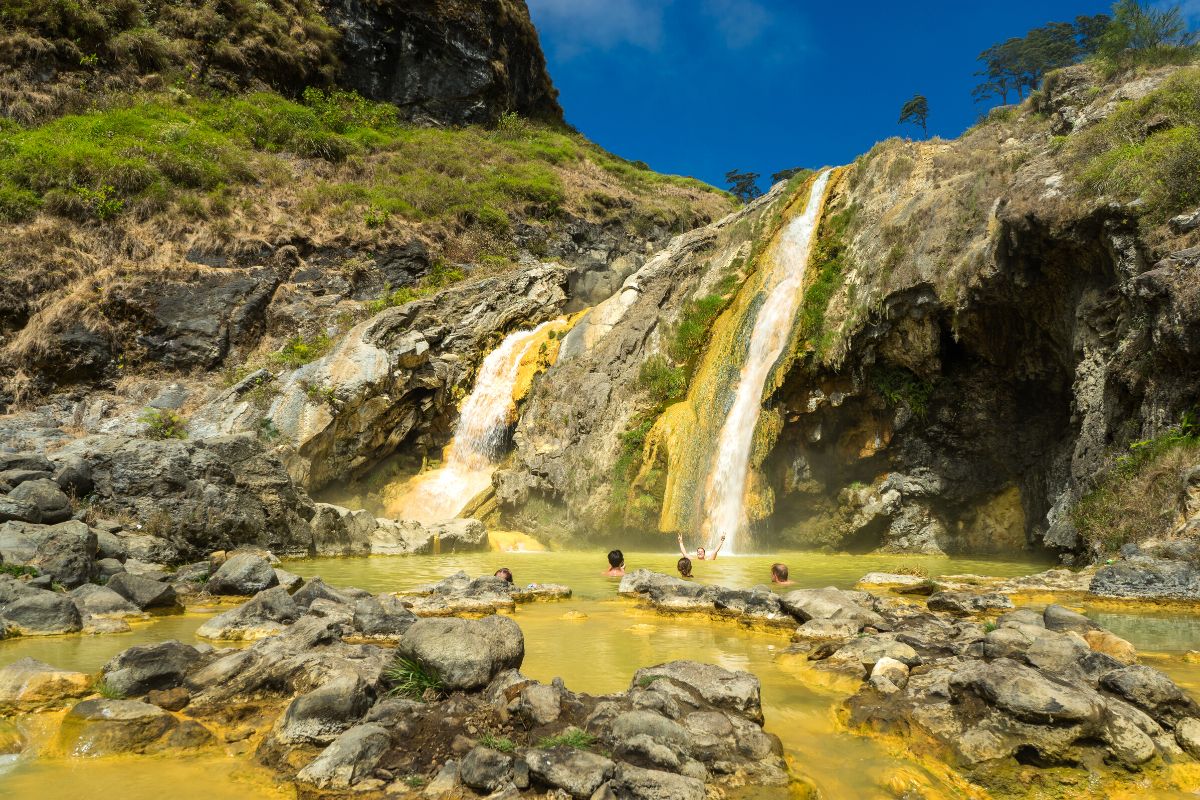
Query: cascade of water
[
  {"x": 725, "y": 492},
  {"x": 478, "y": 439}
]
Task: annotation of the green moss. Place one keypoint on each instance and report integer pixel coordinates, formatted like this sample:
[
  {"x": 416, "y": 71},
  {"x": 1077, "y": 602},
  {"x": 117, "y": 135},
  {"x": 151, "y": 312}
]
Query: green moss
[{"x": 826, "y": 272}]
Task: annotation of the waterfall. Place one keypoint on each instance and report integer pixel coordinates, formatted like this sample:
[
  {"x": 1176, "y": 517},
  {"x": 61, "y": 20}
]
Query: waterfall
[
  {"x": 725, "y": 492},
  {"x": 478, "y": 443}
]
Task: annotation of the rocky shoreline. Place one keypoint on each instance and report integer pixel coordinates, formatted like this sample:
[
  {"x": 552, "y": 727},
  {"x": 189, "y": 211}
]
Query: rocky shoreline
[
  {"x": 992, "y": 690},
  {"x": 344, "y": 692}
]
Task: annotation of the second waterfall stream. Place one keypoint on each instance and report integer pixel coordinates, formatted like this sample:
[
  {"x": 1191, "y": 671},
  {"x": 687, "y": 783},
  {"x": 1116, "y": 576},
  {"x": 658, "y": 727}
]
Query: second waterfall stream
[
  {"x": 479, "y": 439},
  {"x": 725, "y": 490}
]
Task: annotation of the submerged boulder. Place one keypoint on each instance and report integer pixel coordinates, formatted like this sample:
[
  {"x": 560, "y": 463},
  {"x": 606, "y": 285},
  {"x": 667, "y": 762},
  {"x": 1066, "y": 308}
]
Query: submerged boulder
[{"x": 29, "y": 685}]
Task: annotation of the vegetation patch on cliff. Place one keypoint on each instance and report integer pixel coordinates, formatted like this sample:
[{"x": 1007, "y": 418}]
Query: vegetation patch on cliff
[
  {"x": 1148, "y": 149},
  {"x": 1141, "y": 496}
]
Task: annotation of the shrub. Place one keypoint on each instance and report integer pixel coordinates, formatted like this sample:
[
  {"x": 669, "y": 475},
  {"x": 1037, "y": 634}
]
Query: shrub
[
  {"x": 408, "y": 678},
  {"x": 899, "y": 386},
  {"x": 163, "y": 423}
]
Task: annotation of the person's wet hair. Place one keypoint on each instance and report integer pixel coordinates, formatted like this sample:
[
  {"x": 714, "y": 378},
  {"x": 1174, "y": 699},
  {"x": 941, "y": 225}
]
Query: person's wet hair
[
  {"x": 780, "y": 571},
  {"x": 505, "y": 573},
  {"x": 684, "y": 565},
  {"x": 616, "y": 558}
]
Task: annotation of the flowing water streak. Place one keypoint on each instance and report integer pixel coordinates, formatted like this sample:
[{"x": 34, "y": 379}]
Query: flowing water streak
[
  {"x": 725, "y": 496},
  {"x": 478, "y": 439}
]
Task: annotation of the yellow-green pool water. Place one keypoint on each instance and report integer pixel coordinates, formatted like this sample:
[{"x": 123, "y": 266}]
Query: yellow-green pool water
[{"x": 594, "y": 641}]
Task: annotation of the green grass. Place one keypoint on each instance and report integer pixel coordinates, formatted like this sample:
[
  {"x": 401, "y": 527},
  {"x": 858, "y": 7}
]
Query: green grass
[
  {"x": 646, "y": 681},
  {"x": 18, "y": 570},
  {"x": 501, "y": 743},
  {"x": 163, "y": 423},
  {"x": 665, "y": 383},
  {"x": 1148, "y": 149},
  {"x": 154, "y": 151},
  {"x": 1139, "y": 497},
  {"x": 299, "y": 351},
  {"x": 572, "y": 737},
  {"x": 408, "y": 678}
]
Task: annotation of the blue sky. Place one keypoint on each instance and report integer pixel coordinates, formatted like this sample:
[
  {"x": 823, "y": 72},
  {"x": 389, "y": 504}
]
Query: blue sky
[{"x": 699, "y": 87}]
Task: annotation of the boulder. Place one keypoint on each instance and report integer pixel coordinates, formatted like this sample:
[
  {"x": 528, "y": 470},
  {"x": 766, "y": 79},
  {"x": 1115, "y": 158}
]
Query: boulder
[
  {"x": 485, "y": 770},
  {"x": 351, "y": 758},
  {"x": 338, "y": 531},
  {"x": 48, "y": 503},
  {"x": 103, "y": 602},
  {"x": 459, "y": 536},
  {"x": 1148, "y": 577},
  {"x": 967, "y": 603},
  {"x": 464, "y": 653},
  {"x": 1058, "y": 618},
  {"x": 288, "y": 580},
  {"x": 576, "y": 772},
  {"x": 382, "y": 617},
  {"x": 319, "y": 716},
  {"x": 28, "y": 685},
  {"x": 736, "y": 691},
  {"x": 1187, "y": 735},
  {"x": 537, "y": 704},
  {"x": 35, "y": 612},
  {"x": 139, "y": 669},
  {"x": 634, "y": 783},
  {"x": 264, "y": 615},
  {"x": 1028, "y": 695},
  {"x": 110, "y": 727},
  {"x": 1152, "y": 692},
  {"x": 68, "y": 555},
  {"x": 144, "y": 593},
  {"x": 829, "y": 603},
  {"x": 244, "y": 574}
]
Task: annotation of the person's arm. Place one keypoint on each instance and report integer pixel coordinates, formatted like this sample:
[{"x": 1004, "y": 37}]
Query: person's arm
[
  {"x": 720, "y": 544},
  {"x": 682, "y": 552}
]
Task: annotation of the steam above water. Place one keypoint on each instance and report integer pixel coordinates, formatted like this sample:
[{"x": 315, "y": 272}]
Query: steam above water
[
  {"x": 725, "y": 492},
  {"x": 478, "y": 442}
]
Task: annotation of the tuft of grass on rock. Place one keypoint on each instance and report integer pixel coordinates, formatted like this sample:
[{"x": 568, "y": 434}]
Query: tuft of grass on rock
[
  {"x": 571, "y": 737},
  {"x": 409, "y": 678},
  {"x": 501, "y": 743},
  {"x": 163, "y": 423},
  {"x": 108, "y": 692}
]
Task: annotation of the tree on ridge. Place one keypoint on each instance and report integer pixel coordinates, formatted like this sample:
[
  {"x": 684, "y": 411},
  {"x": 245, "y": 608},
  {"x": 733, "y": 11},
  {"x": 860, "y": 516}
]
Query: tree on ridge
[{"x": 916, "y": 111}]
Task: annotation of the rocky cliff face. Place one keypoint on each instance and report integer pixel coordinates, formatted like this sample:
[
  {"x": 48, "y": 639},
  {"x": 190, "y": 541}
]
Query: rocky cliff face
[
  {"x": 446, "y": 61},
  {"x": 986, "y": 333}
]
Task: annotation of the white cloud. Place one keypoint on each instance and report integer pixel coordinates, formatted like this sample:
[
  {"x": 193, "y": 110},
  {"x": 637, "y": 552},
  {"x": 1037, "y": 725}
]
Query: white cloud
[
  {"x": 575, "y": 26},
  {"x": 740, "y": 22},
  {"x": 578, "y": 25}
]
